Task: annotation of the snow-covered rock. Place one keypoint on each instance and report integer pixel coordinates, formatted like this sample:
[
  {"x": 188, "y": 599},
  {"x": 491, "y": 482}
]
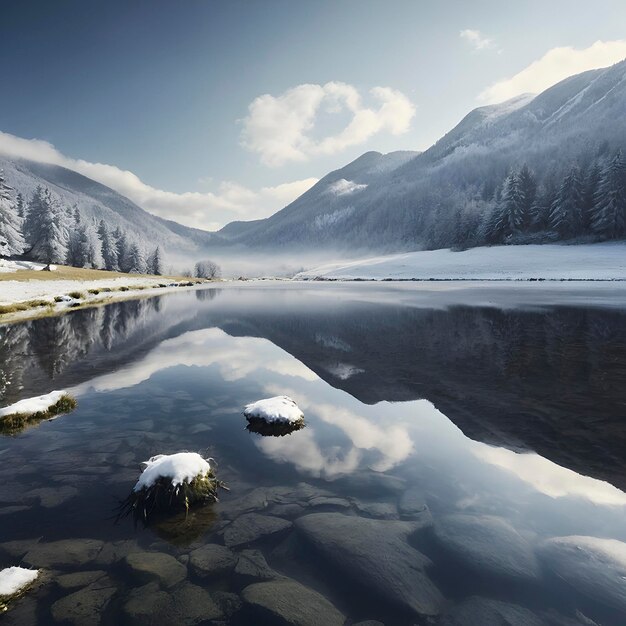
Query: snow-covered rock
[
  {"x": 15, "y": 579},
  {"x": 276, "y": 410},
  {"x": 177, "y": 468},
  {"x": 30, "y": 406}
]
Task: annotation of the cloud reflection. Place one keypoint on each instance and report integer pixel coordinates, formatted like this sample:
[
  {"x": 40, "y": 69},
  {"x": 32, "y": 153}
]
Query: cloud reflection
[{"x": 549, "y": 478}]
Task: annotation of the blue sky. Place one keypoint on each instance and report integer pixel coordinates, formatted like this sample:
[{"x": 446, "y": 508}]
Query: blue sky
[{"x": 226, "y": 109}]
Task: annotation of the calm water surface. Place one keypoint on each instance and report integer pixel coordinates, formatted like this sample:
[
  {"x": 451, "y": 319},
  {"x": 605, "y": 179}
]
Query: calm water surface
[{"x": 464, "y": 459}]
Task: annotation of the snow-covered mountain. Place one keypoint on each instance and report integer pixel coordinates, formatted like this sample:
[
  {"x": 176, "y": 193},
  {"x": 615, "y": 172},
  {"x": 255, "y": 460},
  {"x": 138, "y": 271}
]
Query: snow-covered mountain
[
  {"x": 411, "y": 200},
  {"x": 332, "y": 205},
  {"x": 96, "y": 201}
]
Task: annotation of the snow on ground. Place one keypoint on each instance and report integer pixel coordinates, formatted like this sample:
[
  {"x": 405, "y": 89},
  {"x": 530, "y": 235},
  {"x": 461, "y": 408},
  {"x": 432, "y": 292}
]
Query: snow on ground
[
  {"x": 7, "y": 266},
  {"x": 600, "y": 261},
  {"x": 29, "y": 406},
  {"x": 178, "y": 468},
  {"x": 277, "y": 409},
  {"x": 14, "y": 579},
  {"x": 12, "y": 291}
]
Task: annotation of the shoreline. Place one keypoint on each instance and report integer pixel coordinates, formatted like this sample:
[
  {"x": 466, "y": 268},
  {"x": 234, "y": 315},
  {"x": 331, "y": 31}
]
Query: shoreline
[{"x": 56, "y": 297}]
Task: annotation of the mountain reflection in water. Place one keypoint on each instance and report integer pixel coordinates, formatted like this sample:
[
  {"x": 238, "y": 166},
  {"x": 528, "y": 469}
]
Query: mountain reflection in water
[{"x": 482, "y": 446}]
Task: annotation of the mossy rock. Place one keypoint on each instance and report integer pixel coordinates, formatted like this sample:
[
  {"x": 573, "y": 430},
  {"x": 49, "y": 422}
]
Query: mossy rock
[
  {"x": 16, "y": 422},
  {"x": 151, "y": 503}
]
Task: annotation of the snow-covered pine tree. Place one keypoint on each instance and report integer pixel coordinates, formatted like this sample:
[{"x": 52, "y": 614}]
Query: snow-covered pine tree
[
  {"x": 45, "y": 228},
  {"x": 92, "y": 247},
  {"x": 121, "y": 246},
  {"x": 136, "y": 260},
  {"x": 512, "y": 206},
  {"x": 11, "y": 239},
  {"x": 155, "y": 263},
  {"x": 20, "y": 207},
  {"x": 609, "y": 216},
  {"x": 566, "y": 214},
  {"x": 528, "y": 187},
  {"x": 590, "y": 190},
  {"x": 109, "y": 249},
  {"x": 543, "y": 204}
]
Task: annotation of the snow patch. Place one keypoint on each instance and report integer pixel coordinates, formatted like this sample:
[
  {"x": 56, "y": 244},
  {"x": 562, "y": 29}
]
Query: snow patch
[
  {"x": 279, "y": 409},
  {"x": 343, "y": 187},
  {"x": 15, "y": 579},
  {"x": 29, "y": 406},
  {"x": 7, "y": 266},
  {"x": 178, "y": 468}
]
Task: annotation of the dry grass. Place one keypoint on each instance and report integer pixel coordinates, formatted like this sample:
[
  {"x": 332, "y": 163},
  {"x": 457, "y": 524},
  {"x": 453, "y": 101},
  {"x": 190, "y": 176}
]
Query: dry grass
[
  {"x": 23, "y": 306},
  {"x": 64, "y": 272}
]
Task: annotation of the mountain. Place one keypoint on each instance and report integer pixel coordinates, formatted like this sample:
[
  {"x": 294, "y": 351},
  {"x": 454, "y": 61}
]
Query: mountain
[
  {"x": 331, "y": 205},
  {"x": 96, "y": 202},
  {"x": 443, "y": 196}
]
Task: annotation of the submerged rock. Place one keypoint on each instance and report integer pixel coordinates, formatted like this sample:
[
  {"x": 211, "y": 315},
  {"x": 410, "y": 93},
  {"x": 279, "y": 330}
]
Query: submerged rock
[
  {"x": 212, "y": 560},
  {"x": 86, "y": 606},
  {"x": 488, "y": 545},
  {"x": 377, "y": 510},
  {"x": 229, "y": 603},
  {"x": 252, "y": 567},
  {"x": 79, "y": 579},
  {"x": 147, "y": 605},
  {"x": 194, "y": 605},
  {"x": 253, "y": 527},
  {"x": 477, "y": 611},
  {"x": 412, "y": 503},
  {"x": 289, "y": 602},
  {"x": 376, "y": 555},
  {"x": 63, "y": 553},
  {"x": 158, "y": 566},
  {"x": 593, "y": 566}
]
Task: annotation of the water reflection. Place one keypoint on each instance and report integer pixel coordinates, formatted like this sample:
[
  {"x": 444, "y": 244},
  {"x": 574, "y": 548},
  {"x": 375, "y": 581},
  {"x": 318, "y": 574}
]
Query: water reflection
[{"x": 378, "y": 446}]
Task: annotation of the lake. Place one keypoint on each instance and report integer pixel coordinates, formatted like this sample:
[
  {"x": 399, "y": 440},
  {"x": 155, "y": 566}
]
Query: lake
[{"x": 463, "y": 460}]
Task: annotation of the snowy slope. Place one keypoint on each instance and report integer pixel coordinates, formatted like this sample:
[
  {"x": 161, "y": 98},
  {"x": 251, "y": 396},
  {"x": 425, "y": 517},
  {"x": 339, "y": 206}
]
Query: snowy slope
[
  {"x": 96, "y": 201},
  {"x": 605, "y": 261}
]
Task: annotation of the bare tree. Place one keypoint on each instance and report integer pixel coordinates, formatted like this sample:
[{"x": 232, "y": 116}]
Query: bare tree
[{"x": 207, "y": 269}]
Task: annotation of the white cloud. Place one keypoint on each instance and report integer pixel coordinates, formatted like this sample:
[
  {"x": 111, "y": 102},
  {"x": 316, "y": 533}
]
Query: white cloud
[
  {"x": 207, "y": 210},
  {"x": 554, "y": 66},
  {"x": 476, "y": 39},
  {"x": 279, "y": 128}
]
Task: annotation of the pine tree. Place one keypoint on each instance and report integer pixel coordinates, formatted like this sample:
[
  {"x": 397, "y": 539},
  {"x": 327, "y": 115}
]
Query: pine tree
[
  {"x": 528, "y": 188},
  {"x": 109, "y": 249},
  {"x": 136, "y": 260},
  {"x": 46, "y": 229},
  {"x": 590, "y": 191},
  {"x": 92, "y": 247},
  {"x": 11, "y": 239},
  {"x": 75, "y": 248},
  {"x": 609, "y": 216},
  {"x": 155, "y": 264},
  {"x": 540, "y": 212},
  {"x": 20, "y": 207},
  {"x": 121, "y": 245},
  {"x": 566, "y": 214},
  {"x": 512, "y": 216}
]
